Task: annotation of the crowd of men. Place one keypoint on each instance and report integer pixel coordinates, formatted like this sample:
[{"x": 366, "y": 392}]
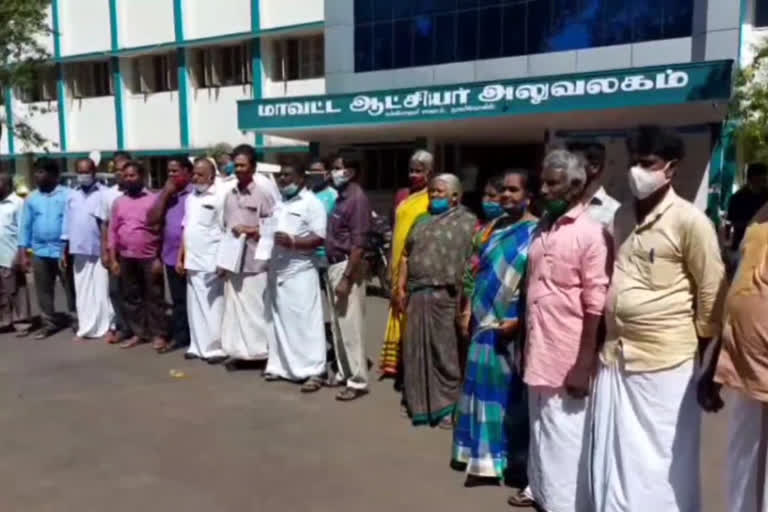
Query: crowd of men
[{"x": 557, "y": 333}]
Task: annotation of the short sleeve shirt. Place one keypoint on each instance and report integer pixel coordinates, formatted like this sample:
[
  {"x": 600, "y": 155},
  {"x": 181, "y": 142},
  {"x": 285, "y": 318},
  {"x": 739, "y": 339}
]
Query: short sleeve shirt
[{"x": 299, "y": 216}]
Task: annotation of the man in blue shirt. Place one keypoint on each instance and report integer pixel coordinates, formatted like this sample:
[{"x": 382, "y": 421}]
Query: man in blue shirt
[{"x": 41, "y": 229}]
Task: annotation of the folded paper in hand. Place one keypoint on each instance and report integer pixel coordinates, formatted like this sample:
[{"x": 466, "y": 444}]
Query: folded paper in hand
[{"x": 231, "y": 250}]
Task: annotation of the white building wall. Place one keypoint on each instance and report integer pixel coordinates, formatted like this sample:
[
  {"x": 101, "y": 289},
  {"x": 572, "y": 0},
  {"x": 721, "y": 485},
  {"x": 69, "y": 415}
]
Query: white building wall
[
  {"x": 146, "y": 22},
  {"x": 213, "y": 116},
  {"x": 279, "y": 13},
  {"x": 152, "y": 121},
  {"x": 91, "y": 123},
  {"x": 207, "y": 18},
  {"x": 44, "y": 118},
  {"x": 85, "y": 26}
]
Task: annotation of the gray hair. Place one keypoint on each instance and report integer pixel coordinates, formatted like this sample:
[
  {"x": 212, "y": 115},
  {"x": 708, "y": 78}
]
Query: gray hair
[
  {"x": 424, "y": 157},
  {"x": 451, "y": 181},
  {"x": 573, "y": 165}
]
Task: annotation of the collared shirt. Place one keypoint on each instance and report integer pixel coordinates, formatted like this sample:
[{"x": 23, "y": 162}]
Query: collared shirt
[
  {"x": 42, "y": 222},
  {"x": 249, "y": 207},
  {"x": 203, "y": 228},
  {"x": 666, "y": 283},
  {"x": 349, "y": 222},
  {"x": 568, "y": 275},
  {"x": 81, "y": 226},
  {"x": 172, "y": 229},
  {"x": 299, "y": 216},
  {"x": 108, "y": 195},
  {"x": 10, "y": 217},
  {"x": 602, "y": 208},
  {"x": 129, "y": 232}
]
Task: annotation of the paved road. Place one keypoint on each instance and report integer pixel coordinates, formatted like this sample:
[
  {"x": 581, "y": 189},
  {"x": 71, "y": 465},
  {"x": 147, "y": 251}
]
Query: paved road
[{"x": 88, "y": 427}]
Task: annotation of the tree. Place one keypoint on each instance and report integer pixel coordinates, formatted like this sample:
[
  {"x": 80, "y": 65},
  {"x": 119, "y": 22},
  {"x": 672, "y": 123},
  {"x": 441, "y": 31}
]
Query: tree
[
  {"x": 23, "y": 28},
  {"x": 749, "y": 107}
]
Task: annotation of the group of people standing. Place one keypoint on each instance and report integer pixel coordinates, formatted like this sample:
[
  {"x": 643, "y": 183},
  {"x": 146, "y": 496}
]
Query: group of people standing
[
  {"x": 577, "y": 340},
  {"x": 243, "y": 256}
]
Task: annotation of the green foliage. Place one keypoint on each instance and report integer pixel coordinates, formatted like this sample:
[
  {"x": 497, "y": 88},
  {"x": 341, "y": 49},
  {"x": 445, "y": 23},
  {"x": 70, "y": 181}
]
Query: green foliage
[
  {"x": 23, "y": 28},
  {"x": 750, "y": 108}
]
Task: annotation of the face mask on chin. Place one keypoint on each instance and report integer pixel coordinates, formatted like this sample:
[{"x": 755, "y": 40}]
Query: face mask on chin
[
  {"x": 85, "y": 180},
  {"x": 202, "y": 188},
  {"x": 644, "y": 182},
  {"x": 289, "y": 191}
]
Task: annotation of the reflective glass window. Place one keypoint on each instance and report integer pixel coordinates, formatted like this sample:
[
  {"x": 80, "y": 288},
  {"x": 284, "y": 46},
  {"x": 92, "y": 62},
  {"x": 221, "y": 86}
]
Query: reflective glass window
[
  {"x": 423, "y": 41},
  {"x": 364, "y": 48},
  {"x": 382, "y": 45}
]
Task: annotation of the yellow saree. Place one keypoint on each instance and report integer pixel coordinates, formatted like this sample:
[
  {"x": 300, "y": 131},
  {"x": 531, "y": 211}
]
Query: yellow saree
[{"x": 406, "y": 215}]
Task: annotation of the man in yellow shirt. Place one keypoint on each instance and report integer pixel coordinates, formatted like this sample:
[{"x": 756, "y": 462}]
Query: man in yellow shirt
[{"x": 662, "y": 309}]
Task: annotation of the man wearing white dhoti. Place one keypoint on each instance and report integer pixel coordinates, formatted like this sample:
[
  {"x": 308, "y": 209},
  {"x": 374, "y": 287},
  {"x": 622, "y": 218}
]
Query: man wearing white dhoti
[
  {"x": 662, "y": 308},
  {"x": 247, "y": 329},
  {"x": 82, "y": 231},
  {"x": 203, "y": 226},
  {"x": 298, "y": 350},
  {"x": 568, "y": 278}
]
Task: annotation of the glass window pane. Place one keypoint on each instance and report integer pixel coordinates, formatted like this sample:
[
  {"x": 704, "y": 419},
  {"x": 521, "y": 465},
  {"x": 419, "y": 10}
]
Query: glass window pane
[
  {"x": 363, "y": 48},
  {"x": 403, "y": 44},
  {"x": 382, "y": 45},
  {"x": 363, "y": 11},
  {"x": 445, "y": 39},
  {"x": 466, "y": 4},
  {"x": 424, "y": 41},
  {"x": 648, "y": 20},
  {"x": 513, "y": 33},
  {"x": 678, "y": 19},
  {"x": 382, "y": 10},
  {"x": 567, "y": 25},
  {"x": 538, "y": 21},
  {"x": 614, "y": 23},
  {"x": 466, "y": 40},
  {"x": 490, "y": 35},
  {"x": 761, "y": 13},
  {"x": 402, "y": 8}
]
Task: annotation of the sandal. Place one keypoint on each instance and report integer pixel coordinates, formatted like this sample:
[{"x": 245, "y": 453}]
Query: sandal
[
  {"x": 271, "y": 377},
  {"x": 348, "y": 394},
  {"x": 521, "y": 500},
  {"x": 312, "y": 385},
  {"x": 446, "y": 423}
]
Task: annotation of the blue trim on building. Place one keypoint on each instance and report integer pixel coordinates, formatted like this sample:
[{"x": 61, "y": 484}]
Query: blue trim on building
[
  {"x": 61, "y": 86},
  {"x": 256, "y": 69},
  {"x": 183, "y": 74},
  {"x": 9, "y": 123},
  {"x": 117, "y": 75}
]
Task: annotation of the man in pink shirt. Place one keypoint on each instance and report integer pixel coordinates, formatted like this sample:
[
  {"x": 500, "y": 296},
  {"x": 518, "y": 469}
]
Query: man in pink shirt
[
  {"x": 568, "y": 268},
  {"x": 135, "y": 258}
]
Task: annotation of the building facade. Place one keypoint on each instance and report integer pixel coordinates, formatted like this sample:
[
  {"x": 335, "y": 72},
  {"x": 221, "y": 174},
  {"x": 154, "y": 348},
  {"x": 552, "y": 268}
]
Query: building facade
[{"x": 484, "y": 84}]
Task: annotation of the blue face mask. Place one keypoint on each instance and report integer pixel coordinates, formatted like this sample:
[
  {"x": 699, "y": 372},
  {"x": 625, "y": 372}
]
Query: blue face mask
[
  {"x": 229, "y": 169},
  {"x": 492, "y": 210},
  {"x": 289, "y": 191},
  {"x": 439, "y": 205}
]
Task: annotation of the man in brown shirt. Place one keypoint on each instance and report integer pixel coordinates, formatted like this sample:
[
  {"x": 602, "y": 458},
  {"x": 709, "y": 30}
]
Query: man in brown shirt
[
  {"x": 247, "y": 329},
  {"x": 345, "y": 241}
]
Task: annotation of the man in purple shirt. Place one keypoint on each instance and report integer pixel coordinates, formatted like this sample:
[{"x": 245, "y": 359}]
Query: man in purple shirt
[
  {"x": 82, "y": 231},
  {"x": 134, "y": 248},
  {"x": 168, "y": 212}
]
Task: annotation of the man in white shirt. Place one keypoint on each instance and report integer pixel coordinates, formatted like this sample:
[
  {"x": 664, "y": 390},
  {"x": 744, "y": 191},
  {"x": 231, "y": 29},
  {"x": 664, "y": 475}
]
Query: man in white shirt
[
  {"x": 13, "y": 307},
  {"x": 203, "y": 230},
  {"x": 602, "y": 207},
  {"x": 298, "y": 351}
]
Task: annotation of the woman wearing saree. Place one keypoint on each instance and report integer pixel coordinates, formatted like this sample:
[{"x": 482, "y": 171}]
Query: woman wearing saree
[
  {"x": 491, "y": 421},
  {"x": 407, "y": 213}
]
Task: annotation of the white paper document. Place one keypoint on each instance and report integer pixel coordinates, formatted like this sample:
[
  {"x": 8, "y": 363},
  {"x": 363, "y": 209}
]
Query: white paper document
[{"x": 231, "y": 250}]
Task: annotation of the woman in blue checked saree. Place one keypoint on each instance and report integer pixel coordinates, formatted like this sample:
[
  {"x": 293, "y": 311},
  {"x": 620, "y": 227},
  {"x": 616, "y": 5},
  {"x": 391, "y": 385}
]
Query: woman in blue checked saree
[{"x": 491, "y": 424}]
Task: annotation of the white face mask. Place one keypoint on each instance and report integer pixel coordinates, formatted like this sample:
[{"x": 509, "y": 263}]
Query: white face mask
[
  {"x": 86, "y": 180},
  {"x": 202, "y": 188},
  {"x": 644, "y": 182},
  {"x": 339, "y": 177}
]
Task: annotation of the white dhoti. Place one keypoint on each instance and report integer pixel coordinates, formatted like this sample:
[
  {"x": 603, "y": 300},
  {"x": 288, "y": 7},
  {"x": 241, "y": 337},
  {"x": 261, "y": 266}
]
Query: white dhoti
[
  {"x": 646, "y": 440},
  {"x": 559, "y": 451},
  {"x": 747, "y": 453},
  {"x": 205, "y": 309},
  {"x": 298, "y": 347},
  {"x": 94, "y": 309},
  {"x": 247, "y": 328}
]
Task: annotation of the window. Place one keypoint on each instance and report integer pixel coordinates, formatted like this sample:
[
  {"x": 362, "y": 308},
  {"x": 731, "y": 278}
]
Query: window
[
  {"x": 761, "y": 13},
  {"x": 155, "y": 73},
  {"x": 89, "y": 79},
  {"x": 222, "y": 66},
  {"x": 442, "y": 31},
  {"x": 298, "y": 59},
  {"x": 41, "y": 88}
]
